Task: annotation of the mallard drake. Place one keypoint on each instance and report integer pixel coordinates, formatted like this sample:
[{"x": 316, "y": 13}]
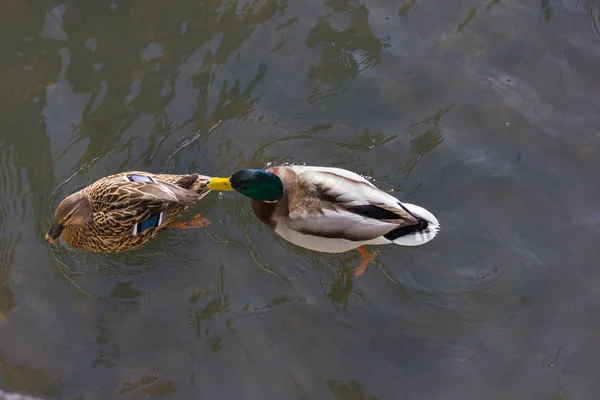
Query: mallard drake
[
  {"x": 330, "y": 210},
  {"x": 124, "y": 211}
]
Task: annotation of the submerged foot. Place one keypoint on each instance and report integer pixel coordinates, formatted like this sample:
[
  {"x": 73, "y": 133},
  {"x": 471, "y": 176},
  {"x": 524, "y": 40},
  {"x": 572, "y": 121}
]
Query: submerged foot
[
  {"x": 367, "y": 257},
  {"x": 198, "y": 221}
]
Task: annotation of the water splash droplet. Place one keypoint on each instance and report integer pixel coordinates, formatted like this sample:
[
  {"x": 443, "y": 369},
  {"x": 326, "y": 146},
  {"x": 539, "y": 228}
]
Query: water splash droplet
[{"x": 507, "y": 124}]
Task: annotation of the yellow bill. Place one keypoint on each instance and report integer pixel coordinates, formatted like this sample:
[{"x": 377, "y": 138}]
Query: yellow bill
[{"x": 219, "y": 184}]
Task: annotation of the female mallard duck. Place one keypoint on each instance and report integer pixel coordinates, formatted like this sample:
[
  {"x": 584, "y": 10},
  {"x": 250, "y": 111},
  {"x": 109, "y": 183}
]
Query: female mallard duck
[
  {"x": 330, "y": 210},
  {"x": 124, "y": 211}
]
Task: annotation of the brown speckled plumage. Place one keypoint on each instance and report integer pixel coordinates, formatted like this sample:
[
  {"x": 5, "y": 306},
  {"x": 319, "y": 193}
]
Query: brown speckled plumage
[{"x": 118, "y": 205}]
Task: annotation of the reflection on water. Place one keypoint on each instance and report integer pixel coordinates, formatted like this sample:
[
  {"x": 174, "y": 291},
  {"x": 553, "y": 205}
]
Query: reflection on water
[
  {"x": 341, "y": 287},
  {"x": 29, "y": 380},
  {"x": 425, "y": 142},
  {"x": 10, "y": 188},
  {"x": 344, "y": 53},
  {"x": 351, "y": 390},
  {"x": 150, "y": 386},
  {"x": 484, "y": 113},
  {"x": 217, "y": 306}
]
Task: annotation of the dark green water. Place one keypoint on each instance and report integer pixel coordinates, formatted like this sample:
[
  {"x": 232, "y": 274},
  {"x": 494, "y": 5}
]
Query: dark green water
[{"x": 487, "y": 114}]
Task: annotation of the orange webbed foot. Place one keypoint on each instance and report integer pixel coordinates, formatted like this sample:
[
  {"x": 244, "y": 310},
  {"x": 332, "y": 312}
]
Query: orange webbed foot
[
  {"x": 367, "y": 257},
  {"x": 198, "y": 221}
]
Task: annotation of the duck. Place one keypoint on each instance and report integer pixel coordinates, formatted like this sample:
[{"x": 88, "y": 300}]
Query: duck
[
  {"x": 124, "y": 211},
  {"x": 330, "y": 210}
]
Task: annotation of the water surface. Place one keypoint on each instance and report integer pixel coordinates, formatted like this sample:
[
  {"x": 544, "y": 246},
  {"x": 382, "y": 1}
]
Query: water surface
[{"x": 484, "y": 113}]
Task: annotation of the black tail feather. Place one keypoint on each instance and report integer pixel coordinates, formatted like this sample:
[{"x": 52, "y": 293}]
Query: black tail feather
[{"x": 406, "y": 230}]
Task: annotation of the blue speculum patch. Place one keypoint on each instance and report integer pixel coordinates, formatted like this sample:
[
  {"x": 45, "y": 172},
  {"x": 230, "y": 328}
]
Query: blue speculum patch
[
  {"x": 140, "y": 178},
  {"x": 151, "y": 222}
]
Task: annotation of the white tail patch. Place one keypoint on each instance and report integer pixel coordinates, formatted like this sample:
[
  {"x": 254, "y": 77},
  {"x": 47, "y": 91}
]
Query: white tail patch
[{"x": 420, "y": 237}]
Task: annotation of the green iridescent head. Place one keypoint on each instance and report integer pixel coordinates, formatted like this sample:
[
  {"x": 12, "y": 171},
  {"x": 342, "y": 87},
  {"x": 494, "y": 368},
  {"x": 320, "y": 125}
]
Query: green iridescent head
[{"x": 254, "y": 183}]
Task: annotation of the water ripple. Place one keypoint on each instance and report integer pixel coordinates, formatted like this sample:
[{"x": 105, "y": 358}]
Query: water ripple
[{"x": 593, "y": 14}]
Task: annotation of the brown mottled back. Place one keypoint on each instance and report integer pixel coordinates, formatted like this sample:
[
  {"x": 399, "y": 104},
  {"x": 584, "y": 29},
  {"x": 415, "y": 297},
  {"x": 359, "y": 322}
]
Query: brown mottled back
[{"x": 118, "y": 205}]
